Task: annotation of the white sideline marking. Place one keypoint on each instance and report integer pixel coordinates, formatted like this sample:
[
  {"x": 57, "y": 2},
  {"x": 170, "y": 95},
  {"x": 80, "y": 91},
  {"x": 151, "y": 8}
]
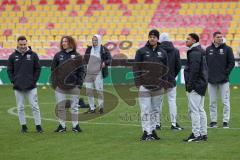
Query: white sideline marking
[{"x": 11, "y": 112}]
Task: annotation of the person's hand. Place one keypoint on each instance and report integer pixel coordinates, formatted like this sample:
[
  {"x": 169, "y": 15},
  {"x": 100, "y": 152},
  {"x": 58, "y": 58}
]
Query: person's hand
[{"x": 103, "y": 65}]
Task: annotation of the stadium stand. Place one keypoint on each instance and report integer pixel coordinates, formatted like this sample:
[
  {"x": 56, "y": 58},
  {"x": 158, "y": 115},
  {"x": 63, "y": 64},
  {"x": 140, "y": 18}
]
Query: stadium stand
[{"x": 45, "y": 21}]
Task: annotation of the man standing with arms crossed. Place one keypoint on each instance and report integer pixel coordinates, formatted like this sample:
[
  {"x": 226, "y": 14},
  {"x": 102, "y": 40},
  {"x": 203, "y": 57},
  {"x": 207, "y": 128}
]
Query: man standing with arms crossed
[
  {"x": 24, "y": 70},
  {"x": 220, "y": 62}
]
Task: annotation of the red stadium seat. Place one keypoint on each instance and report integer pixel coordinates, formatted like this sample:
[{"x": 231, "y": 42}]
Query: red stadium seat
[
  {"x": 125, "y": 31},
  {"x": 127, "y": 13},
  {"x": 23, "y": 20},
  {"x": 102, "y": 31},
  {"x": 5, "y": 2},
  {"x": 7, "y": 32},
  {"x": 31, "y": 8},
  {"x": 50, "y": 26},
  {"x": 16, "y": 8},
  {"x": 43, "y": 2},
  {"x": 133, "y": 1},
  {"x": 122, "y": 7},
  {"x": 2, "y": 8},
  {"x": 58, "y": 2},
  {"x": 61, "y": 8},
  {"x": 80, "y": 2},
  {"x": 13, "y": 2},
  {"x": 73, "y": 13},
  {"x": 149, "y": 1}
]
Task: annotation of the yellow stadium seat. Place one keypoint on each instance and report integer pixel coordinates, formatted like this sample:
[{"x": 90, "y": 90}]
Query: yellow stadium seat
[
  {"x": 230, "y": 11},
  {"x": 34, "y": 38},
  {"x": 232, "y": 5},
  {"x": 62, "y": 32},
  {"x": 224, "y": 5},
  {"x": 50, "y": 38}
]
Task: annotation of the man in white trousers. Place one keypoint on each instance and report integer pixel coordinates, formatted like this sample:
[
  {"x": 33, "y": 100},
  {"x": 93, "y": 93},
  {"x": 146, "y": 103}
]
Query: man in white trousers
[
  {"x": 220, "y": 61},
  {"x": 73, "y": 82},
  {"x": 150, "y": 63},
  {"x": 97, "y": 58},
  {"x": 174, "y": 66},
  {"x": 196, "y": 75},
  {"x": 23, "y": 71}
]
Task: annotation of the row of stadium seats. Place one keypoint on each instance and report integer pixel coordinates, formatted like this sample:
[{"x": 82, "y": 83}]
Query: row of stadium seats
[{"x": 117, "y": 20}]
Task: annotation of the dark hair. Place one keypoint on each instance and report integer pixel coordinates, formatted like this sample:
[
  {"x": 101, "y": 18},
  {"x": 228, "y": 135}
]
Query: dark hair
[
  {"x": 71, "y": 41},
  {"x": 21, "y": 38},
  {"x": 215, "y": 33},
  {"x": 154, "y": 32},
  {"x": 194, "y": 36}
]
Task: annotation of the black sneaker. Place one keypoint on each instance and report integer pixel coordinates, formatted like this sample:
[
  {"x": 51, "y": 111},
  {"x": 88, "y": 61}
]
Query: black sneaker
[
  {"x": 158, "y": 127},
  {"x": 204, "y": 137},
  {"x": 213, "y": 125},
  {"x": 60, "y": 129},
  {"x": 225, "y": 125},
  {"x": 76, "y": 129},
  {"x": 39, "y": 128},
  {"x": 177, "y": 127},
  {"x": 149, "y": 138},
  {"x": 144, "y": 136},
  {"x": 154, "y": 135},
  {"x": 192, "y": 138},
  {"x": 101, "y": 111},
  {"x": 24, "y": 128},
  {"x": 90, "y": 111}
]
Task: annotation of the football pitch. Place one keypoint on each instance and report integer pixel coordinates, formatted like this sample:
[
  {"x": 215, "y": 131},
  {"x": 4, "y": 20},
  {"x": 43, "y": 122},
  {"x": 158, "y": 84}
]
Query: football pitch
[{"x": 114, "y": 135}]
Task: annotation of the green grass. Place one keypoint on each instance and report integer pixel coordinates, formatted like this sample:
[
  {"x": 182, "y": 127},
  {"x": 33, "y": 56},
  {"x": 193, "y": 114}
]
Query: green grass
[{"x": 104, "y": 138}]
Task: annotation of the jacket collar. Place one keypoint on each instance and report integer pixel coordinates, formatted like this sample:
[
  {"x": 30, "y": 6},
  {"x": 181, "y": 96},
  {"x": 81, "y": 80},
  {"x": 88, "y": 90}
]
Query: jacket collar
[{"x": 193, "y": 46}]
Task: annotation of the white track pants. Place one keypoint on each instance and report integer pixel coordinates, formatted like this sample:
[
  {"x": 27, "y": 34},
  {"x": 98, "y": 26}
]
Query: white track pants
[
  {"x": 61, "y": 97},
  {"x": 33, "y": 101},
  {"x": 225, "y": 96},
  {"x": 97, "y": 81},
  {"x": 149, "y": 104},
  {"x": 197, "y": 113}
]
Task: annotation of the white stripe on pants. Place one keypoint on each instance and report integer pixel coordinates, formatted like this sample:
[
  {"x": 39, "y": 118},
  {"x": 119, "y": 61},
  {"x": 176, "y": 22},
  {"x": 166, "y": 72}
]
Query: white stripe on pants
[
  {"x": 33, "y": 101},
  {"x": 171, "y": 95},
  {"x": 197, "y": 113},
  {"x": 225, "y": 96},
  {"x": 97, "y": 81},
  {"x": 149, "y": 104},
  {"x": 61, "y": 97}
]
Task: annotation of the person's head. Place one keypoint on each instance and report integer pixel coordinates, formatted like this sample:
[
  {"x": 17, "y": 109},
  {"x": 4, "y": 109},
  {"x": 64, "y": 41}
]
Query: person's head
[
  {"x": 96, "y": 40},
  {"x": 153, "y": 37},
  {"x": 164, "y": 37},
  {"x": 217, "y": 38},
  {"x": 22, "y": 44},
  {"x": 67, "y": 42},
  {"x": 191, "y": 39}
]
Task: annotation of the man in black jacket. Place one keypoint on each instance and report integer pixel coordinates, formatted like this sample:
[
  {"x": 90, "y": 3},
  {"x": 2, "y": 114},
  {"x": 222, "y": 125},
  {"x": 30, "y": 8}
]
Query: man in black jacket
[
  {"x": 24, "y": 70},
  {"x": 196, "y": 75},
  {"x": 97, "y": 58},
  {"x": 220, "y": 61},
  {"x": 150, "y": 71},
  {"x": 174, "y": 65},
  {"x": 68, "y": 68}
]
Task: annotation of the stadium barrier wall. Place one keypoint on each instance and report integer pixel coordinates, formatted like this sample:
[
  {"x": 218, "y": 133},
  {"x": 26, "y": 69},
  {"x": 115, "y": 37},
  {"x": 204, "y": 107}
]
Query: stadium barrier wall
[{"x": 117, "y": 75}]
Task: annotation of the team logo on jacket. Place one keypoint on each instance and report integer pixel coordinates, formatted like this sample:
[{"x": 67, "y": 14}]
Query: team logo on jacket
[
  {"x": 159, "y": 54},
  {"x": 221, "y": 51},
  {"x": 16, "y": 58},
  {"x": 61, "y": 57},
  {"x": 73, "y": 56},
  {"x": 28, "y": 57}
]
